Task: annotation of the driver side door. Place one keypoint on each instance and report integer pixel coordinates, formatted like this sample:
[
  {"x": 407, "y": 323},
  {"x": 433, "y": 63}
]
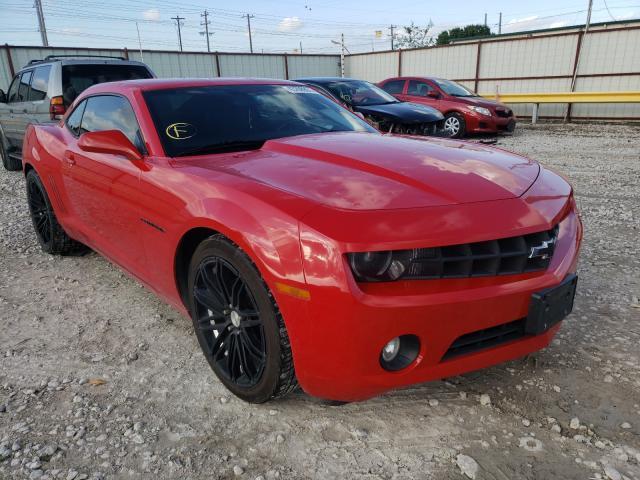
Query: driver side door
[{"x": 102, "y": 188}]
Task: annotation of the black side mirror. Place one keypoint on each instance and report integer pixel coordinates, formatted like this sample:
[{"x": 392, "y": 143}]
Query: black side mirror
[{"x": 3, "y": 97}]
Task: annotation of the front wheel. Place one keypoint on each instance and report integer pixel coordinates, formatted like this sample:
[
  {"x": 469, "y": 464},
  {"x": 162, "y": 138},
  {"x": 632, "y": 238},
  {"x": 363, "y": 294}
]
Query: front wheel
[
  {"x": 454, "y": 125},
  {"x": 8, "y": 162},
  {"x": 238, "y": 324}
]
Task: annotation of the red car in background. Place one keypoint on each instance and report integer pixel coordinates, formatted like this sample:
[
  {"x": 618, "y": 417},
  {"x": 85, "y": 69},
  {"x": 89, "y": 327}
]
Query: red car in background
[
  {"x": 464, "y": 111},
  {"x": 306, "y": 246}
]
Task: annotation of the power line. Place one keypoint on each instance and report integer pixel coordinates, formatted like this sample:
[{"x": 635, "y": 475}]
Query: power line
[{"x": 178, "y": 20}]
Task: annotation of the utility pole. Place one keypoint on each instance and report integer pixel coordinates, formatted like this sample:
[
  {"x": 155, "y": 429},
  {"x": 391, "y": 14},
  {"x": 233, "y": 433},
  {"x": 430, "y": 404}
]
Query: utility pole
[
  {"x": 391, "y": 27},
  {"x": 178, "y": 20},
  {"x": 206, "y": 24},
  {"x": 343, "y": 47},
  {"x": 584, "y": 37},
  {"x": 249, "y": 17},
  {"x": 42, "y": 26},
  {"x": 485, "y": 19},
  {"x": 300, "y": 47},
  {"x": 500, "y": 24},
  {"x": 139, "y": 42}
]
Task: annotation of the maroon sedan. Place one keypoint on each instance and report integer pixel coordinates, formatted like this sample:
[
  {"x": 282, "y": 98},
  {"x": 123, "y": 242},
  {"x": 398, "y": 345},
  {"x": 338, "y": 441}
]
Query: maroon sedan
[{"x": 464, "y": 111}]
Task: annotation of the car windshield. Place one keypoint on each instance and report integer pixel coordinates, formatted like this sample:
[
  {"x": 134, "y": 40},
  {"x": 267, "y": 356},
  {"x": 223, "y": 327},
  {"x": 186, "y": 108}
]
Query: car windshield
[
  {"x": 454, "y": 89},
  {"x": 358, "y": 93},
  {"x": 211, "y": 119}
]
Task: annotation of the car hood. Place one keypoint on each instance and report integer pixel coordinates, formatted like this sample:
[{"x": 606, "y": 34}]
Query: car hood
[
  {"x": 402, "y": 112},
  {"x": 364, "y": 171},
  {"x": 481, "y": 102}
]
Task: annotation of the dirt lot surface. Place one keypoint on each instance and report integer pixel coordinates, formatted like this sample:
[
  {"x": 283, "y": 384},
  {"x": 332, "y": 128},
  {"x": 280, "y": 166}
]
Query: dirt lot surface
[{"x": 571, "y": 411}]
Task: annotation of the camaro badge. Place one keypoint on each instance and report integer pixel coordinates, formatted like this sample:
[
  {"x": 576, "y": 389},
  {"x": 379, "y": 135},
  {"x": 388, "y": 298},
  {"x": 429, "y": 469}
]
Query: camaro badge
[
  {"x": 542, "y": 251},
  {"x": 180, "y": 131}
]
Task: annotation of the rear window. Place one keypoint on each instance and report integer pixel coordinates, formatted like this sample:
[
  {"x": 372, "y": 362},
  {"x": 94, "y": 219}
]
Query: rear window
[{"x": 77, "y": 78}]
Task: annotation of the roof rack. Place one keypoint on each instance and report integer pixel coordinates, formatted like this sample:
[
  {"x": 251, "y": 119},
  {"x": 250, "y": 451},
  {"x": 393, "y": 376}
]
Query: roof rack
[{"x": 53, "y": 57}]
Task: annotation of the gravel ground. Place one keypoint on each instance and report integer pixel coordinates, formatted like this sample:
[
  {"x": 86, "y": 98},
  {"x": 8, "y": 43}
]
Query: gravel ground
[{"x": 100, "y": 379}]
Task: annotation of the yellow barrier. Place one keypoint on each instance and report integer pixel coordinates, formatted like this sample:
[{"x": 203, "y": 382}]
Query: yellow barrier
[
  {"x": 568, "y": 97},
  {"x": 564, "y": 97}
]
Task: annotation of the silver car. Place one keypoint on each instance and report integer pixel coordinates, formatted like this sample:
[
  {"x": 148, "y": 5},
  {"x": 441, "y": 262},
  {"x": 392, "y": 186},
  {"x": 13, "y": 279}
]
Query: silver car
[{"x": 43, "y": 90}]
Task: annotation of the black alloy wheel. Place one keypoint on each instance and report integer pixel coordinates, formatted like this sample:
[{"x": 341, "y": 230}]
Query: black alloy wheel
[
  {"x": 238, "y": 324},
  {"x": 39, "y": 212},
  {"x": 229, "y": 321}
]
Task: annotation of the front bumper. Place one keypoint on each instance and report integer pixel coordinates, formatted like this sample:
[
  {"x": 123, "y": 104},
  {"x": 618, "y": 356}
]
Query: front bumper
[
  {"x": 339, "y": 334},
  {"x": 477, "y": 123}
]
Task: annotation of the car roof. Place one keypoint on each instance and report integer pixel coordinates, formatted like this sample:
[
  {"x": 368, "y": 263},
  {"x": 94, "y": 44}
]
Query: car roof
[
  {"x": 169, "y": 83},
  {"x": 322, "y": 80}
]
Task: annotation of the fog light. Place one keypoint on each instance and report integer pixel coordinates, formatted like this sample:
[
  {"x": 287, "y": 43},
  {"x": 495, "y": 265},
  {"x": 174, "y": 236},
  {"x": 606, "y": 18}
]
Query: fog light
[
  {"x": 391, "y": 349},
  {"x": 399, "y": 352}
]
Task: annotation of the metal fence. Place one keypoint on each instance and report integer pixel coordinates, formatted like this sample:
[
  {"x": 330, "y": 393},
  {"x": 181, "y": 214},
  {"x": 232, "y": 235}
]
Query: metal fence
[
  {"x": 538, "y": 62},
  {"x": 167, "y": 64}
]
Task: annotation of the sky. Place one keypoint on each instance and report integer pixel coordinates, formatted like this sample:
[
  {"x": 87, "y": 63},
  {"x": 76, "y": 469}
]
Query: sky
[{"x": 279, "y": 26}]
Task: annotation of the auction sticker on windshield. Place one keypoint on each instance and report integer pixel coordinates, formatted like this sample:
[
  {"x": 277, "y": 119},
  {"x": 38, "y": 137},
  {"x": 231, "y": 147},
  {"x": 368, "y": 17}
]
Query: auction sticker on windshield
[
  {"x": 299, "y": 89},
  {"x": 180, "y": 131}
]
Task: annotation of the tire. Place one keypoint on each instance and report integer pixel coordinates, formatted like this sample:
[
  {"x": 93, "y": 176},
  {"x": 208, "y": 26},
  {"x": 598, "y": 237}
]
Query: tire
[
  {"x": 454, "y": 125},
  {"x": 51, "y": 236},
  {"x": 238, "y": 324},
  {"x": 8, "y": 162}
]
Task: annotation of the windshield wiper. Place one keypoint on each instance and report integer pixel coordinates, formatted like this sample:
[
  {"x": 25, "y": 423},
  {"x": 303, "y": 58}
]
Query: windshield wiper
[{"x": 223, "y": 147}]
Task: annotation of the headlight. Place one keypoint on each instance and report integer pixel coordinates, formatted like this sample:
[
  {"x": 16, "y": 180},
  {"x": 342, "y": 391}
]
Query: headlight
[
  {"x": 379, "y": 266},
  {"x": 481, "y": 110}
]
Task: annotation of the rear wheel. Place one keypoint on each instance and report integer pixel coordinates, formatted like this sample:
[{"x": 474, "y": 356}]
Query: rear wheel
[
  {"x": 9, "y": 163},
  {"x": 50, "y": 234},
  {"x": 454, "y": 125},
  {"x": 238, "y": 324}
]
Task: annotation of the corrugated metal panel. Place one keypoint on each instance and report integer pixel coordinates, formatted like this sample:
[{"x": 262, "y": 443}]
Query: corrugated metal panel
[
  {"x": 176, "y": 65},
  {"x": 5, "y": 73},
  {"x": 525, "y": 58},
  {"x": 313, "y": 66},
  {"x": 267, "y": 66},
  {"x": 373, "y": 67},
  {"x": 607, "y": 84},
  {"x": 617, "y": 51},
  {"x": 457, "y": 61}
]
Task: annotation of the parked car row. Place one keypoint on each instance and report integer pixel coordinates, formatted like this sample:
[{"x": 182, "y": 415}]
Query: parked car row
[{"x": 307, "y": 247}]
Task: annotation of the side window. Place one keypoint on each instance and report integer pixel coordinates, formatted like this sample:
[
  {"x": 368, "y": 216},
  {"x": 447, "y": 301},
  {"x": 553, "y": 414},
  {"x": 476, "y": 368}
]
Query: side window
[
  {"x": 418, "y": 89},
  {"x": 40, "y": 83},
  {"x": 73, "y": 121},
  {"x": 23, "y": 90},
  {"x": 12, "y": 94},
  {"x": 110, "y": 112},
  {"x": 394, "y": 87}
]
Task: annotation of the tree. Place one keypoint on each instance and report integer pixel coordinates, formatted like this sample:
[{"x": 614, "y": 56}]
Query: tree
[
  {"x": 414, "y": 36},
  {"x": 465, "y": 32}
]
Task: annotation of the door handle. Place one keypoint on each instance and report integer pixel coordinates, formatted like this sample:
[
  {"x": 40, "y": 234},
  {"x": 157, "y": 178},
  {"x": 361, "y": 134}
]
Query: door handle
[
  {"x": 24, "y": 111},
  {"x": 70, "y": 158}
]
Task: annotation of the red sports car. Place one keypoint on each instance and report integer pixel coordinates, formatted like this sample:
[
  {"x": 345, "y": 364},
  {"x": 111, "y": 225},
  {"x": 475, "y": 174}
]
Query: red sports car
[
  {"x": 307, "y": 247},
  {"x": 464, "y": 111}
]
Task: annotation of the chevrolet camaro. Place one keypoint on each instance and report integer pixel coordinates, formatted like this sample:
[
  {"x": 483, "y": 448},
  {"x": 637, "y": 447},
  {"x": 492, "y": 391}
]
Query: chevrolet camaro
[{"x": 308, "y": 248}]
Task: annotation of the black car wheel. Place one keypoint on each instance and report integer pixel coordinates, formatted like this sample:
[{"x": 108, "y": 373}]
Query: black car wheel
[
  {"x": 238, "y": 324},
  {"x": 454, "y": 125},
  {"x": 50, "y": 234},
  {"x": 9, "y": 163}
]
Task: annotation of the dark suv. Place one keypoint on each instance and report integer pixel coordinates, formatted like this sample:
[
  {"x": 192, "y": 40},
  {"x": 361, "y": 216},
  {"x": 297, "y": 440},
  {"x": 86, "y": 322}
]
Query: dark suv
[{"x": 43, "y": 90}]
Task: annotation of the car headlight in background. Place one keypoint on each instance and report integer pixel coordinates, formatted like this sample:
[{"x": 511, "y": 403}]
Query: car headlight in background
[{"x": 481, "y": 110}]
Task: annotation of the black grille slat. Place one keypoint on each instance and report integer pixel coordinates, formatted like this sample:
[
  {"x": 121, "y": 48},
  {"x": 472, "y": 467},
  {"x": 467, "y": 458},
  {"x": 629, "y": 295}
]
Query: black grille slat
[
  {"x": 486, "y": 338},
  {"x": 504, "y": 256}
]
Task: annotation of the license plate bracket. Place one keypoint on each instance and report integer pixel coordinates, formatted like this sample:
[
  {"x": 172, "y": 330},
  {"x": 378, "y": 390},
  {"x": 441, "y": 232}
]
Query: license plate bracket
[{"x": 550, "y": 306}]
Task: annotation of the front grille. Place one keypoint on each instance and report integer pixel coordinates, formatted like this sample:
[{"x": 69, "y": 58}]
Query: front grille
[
  {"x": 487, "y": 338},
  {"x": 503, "y": 112},
  {"x": 512, "y": 255}
]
